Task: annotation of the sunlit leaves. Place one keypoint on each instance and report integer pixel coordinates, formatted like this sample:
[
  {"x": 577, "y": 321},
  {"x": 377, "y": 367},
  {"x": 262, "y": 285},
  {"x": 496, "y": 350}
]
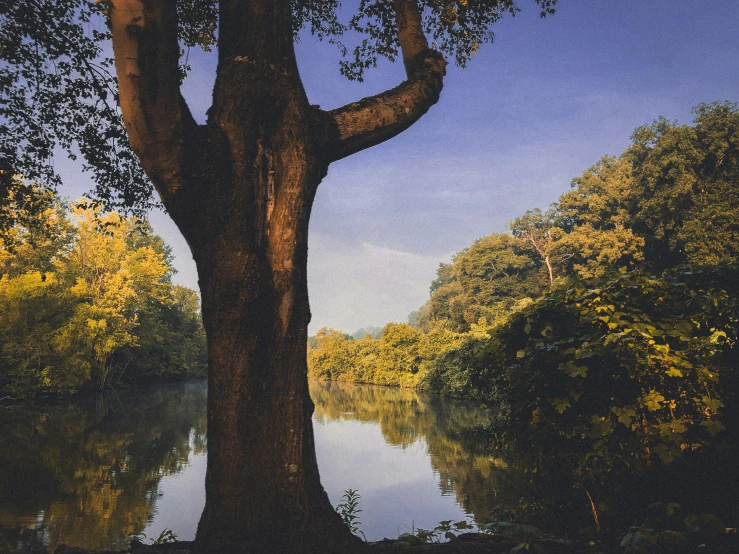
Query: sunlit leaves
[
  {"x": 497, "y": 274},
  {"x": 401, "y": 356},
  {"x": 83, "y": 295},
  {"x": 685, "y": 196},
  {"x": 652, "y": 401}
]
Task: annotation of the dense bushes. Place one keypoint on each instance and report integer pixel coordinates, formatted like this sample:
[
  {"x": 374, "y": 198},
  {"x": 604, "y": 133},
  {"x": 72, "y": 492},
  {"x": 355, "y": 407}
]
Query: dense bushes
[
  {"x": 627, "y": 369},
  {"x": 622, "y": 388}
]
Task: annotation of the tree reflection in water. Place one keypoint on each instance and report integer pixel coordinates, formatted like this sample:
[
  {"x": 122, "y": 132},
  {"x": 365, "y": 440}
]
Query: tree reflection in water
[
  {"x": 87, "y": 474},
  {"x": 452, "y": 431}
]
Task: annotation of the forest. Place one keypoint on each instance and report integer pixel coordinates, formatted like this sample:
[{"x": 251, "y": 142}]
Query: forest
[
  {"x": 665, "y": 209},
  {"x": 601, "y": 332},
  {"x": 87, "y": 300}
]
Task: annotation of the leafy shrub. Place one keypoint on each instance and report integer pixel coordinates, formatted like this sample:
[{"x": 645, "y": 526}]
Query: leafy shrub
[{"x": 628, "y": 370}]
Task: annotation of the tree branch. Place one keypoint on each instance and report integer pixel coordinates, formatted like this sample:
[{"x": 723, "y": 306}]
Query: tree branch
[
  {"x": 378, "y": 118},
  {"x": 155, "y": 114}
]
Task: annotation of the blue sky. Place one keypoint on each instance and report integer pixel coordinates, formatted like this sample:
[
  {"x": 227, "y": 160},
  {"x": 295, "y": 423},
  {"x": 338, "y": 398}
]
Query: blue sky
[{"x": 531, "y": 111}]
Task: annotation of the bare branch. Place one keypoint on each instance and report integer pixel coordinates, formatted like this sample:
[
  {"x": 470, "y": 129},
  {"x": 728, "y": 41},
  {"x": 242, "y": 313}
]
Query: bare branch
[
  {"x": 155, "y": 115},
  {"x": 378, "y": 118}
]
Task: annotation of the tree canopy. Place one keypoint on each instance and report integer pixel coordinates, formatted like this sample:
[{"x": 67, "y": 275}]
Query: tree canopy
[{"x": 669, "y": 199}]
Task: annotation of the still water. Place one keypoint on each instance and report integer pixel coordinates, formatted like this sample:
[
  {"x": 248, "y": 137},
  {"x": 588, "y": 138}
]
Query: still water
[{"x": 92, "y": 473}]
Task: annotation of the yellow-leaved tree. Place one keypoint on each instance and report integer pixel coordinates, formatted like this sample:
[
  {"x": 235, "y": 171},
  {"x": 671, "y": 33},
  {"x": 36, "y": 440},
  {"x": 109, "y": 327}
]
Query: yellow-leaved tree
[
  {"x": 114, "y": 283},
  {"x": 86, "y": 299}
]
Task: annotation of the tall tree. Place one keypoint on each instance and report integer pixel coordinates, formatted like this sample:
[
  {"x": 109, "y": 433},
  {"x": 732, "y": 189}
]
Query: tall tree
[
  {"x": 685, "y": 193},
  {"x": 240, "y": 189},
  {"x": 596, "y": 218}
]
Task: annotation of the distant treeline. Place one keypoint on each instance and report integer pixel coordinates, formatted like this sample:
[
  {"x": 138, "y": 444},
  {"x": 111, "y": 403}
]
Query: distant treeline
[
  {"x": 604, "y": 328},
  {"x": 86, "y": 300}
]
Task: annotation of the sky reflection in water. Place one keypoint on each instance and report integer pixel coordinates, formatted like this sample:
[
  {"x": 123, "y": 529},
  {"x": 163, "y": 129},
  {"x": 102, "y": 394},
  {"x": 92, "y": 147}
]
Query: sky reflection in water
[{"x": 91, "y": 474}]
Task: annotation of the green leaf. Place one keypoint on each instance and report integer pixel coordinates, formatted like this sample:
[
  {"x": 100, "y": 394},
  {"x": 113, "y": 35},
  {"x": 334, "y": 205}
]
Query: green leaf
[
  {"x": 652, "y": 401},
  {"x": 578, "y": 371},
  {"x": 713, "y": 426},
  {"x": 560, "y": 404},
  {"x": 666, "y": 457},
  {"x": 678, "y": 427}
]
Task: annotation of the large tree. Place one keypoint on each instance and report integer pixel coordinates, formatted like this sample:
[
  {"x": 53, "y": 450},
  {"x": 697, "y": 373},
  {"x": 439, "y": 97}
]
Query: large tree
[{"x": 240, "y": 189}]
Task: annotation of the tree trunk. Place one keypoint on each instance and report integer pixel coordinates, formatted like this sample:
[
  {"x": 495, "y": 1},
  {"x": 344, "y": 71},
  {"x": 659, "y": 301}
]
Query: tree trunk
[
  {"x": 240, "y": 189},
  {"x": 263, "y": 492},
  {"x": 258, "y": 164}
]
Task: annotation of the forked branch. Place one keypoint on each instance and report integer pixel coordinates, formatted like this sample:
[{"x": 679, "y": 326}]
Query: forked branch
[
  {"x": 155, "y": 114},
  {"x": 378, "y": 118}
]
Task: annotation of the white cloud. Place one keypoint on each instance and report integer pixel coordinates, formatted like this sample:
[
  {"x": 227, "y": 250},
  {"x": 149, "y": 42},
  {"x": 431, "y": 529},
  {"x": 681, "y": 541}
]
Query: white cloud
[{"x": 352, "y": 286}]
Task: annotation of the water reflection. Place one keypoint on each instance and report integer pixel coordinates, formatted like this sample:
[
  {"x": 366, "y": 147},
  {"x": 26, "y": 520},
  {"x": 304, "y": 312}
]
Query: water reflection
[
  {"x": 449, "y": 431},
  {"x": 92, "y": 473},
  {"x": 88, "y": 474}
]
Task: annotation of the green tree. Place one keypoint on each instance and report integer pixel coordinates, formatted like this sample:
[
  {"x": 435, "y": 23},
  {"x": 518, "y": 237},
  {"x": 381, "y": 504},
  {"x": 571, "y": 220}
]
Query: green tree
[
  {"x": 597, "y": 218},
  {"x": 538, "y": 230},
  {"x": 36, "y": 229},
  {"x": 33, "y": 299},
  {"x": 485, "y": 280},
  {"x": 114, "y": 284},
  {"x": 686, "y": 199},
  {"x": 398, "y": 357},
  {"x": 402, "y": 356},
  {"x": 328, "y": 359},
  {"x": 171, "y": 343}
]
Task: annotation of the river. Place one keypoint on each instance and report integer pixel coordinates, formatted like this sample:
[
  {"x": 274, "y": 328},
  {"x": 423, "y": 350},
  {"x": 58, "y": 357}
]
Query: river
[{"x": 93, "y": 473}]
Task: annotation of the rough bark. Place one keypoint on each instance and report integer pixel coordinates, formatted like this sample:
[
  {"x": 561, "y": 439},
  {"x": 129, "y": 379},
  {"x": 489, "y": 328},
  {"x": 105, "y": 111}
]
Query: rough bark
[
  {"x": 376, "y": 119},
  {"x": 156, "y": 116},
  {"x": 240, "y": 189},
  {"x": 263, "y": 492}
]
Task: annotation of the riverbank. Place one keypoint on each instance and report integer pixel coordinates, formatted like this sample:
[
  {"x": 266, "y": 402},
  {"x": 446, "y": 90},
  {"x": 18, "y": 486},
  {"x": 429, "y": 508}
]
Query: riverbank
[{"x": 479, "y": 543}]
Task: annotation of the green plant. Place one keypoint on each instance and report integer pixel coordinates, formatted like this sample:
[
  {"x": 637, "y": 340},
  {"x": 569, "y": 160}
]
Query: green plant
[
  {"x": 448, "y": 528},
  {"x": 348, "y": 509},
  {"x": 166, "y": 536}
]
